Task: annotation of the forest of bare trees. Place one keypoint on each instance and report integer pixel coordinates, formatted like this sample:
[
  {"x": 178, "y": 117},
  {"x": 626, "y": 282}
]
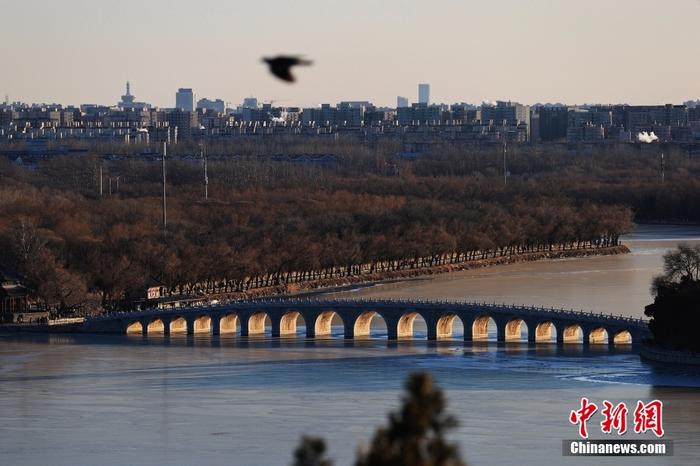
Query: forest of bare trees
[{"x": 269, "y": 222}]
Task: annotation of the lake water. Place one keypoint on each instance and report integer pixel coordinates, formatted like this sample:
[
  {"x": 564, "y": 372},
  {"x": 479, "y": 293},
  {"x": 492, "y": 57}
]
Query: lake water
[
  {"x": 118, "y": 400},
  {"x": 610, "y": 284}
]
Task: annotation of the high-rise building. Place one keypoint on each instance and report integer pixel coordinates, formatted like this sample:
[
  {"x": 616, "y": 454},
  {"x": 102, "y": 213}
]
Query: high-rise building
[
  {"x": 184, "y": 99},
  {"x": 508, "y": 113},
  {"x": 6, "y": 117},
  {"x": 645, "y": 117},
  {"x": 511, "y": 113},
  {"x": 420, "y": 114},
  {"x": 250, "y": 102},
  {"x": 553, "y": 122},
  {"x": 182, "y": 121},
  {"x": 424, "y": 93},
  {"x": 217, "y": 105},
  {"x": 351, "y": 113},
  {"x": 401, "y": 102}
]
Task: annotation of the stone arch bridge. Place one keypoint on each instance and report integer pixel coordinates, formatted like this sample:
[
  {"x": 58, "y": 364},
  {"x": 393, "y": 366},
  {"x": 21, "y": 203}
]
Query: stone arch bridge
[{"x": 284, "y": 316}]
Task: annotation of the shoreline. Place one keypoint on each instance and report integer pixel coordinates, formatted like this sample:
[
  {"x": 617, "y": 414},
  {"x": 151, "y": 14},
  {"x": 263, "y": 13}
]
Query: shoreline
[
  {"x": 334, "y": 285},
  {"x": 654, "y": 353}
]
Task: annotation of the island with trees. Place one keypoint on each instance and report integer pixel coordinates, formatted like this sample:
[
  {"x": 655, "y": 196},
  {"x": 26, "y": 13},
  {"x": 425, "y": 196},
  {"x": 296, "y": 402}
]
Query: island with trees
[{"x": 675, "y": 312}]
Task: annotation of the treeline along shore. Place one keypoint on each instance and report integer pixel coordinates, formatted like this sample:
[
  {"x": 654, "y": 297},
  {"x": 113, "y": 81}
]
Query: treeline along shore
[
  {"x": 87, "y": 231},
  {"x": 366, "y": 274}
]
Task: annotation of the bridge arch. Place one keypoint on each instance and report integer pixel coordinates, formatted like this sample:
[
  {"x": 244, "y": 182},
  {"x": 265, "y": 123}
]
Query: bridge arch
[
  {"x": 598, "y": 336},
  {"x": 405, "y": 327},
  {"x": 623, "y": 337},
  {"x": 481, "y": 327},
  {"x": 178, "y": 325},
  {"x": 515, "y": 328},
  {"x": 202, "y": 324},
  {"x": 134, "y": 328},
  {"x": 258, "y": 323},
  {"x": 445, "y": 327},
  {"x": 363, "y": 324},
  {"x": 323, "y": 326},
  {"x": 289, "y": 323},
  {"x": 546, "y": 332},
  {"x": 229, "y": 323},
  {"x": 155, "y": 326},
  {"x": 399, "y": 317},
  {"x": 573, "y": 333}
]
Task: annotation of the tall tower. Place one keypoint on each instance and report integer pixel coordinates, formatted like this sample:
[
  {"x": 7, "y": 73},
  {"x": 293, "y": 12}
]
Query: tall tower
[
  {"x": 424, "y": 93},
  {"x": 128, "y": 99}
]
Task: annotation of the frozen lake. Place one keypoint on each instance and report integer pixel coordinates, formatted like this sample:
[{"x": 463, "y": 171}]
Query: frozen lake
[{"x": 118, "y": 400}]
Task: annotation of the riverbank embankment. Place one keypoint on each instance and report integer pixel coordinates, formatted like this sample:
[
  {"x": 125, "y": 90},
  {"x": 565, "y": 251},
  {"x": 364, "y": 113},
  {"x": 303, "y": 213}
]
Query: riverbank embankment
[
  {"x": 659, "y": 354},
  {"x": 320, "y": 286},
  {"x": 368, "y": 279}
]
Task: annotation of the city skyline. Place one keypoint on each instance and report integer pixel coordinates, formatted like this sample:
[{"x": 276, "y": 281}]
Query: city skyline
[
  {"x": 199, "y": 101},
  {"x": 561, "y": 52}
]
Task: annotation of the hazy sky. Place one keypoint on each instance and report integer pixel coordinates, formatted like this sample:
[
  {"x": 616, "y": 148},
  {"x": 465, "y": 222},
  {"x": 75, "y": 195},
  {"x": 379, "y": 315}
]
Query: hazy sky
[{"x": 573, "y": 51}]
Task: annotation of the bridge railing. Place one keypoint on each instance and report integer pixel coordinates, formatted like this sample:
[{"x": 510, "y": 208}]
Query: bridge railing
[{"x": 514, "y": 308}]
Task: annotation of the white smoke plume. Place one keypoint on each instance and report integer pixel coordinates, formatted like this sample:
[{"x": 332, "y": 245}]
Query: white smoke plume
[
  {"x": 280, "y": 119},
  {"x": 647, "y": 138}
]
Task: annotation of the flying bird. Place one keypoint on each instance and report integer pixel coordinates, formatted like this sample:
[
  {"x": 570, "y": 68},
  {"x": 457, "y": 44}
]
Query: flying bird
[{"x": 281, "y": 66}]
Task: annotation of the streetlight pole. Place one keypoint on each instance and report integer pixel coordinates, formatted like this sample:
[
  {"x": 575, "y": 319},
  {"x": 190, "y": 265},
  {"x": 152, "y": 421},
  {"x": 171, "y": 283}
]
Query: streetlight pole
[
  {"x": 165, "y": 206},
  {"x": 505, "y": 149},
  {"x": 206, "y": 176}
]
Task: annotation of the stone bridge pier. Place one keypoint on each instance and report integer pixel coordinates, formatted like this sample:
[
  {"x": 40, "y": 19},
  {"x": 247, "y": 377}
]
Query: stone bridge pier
[{"x": 283, "y": 318}]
